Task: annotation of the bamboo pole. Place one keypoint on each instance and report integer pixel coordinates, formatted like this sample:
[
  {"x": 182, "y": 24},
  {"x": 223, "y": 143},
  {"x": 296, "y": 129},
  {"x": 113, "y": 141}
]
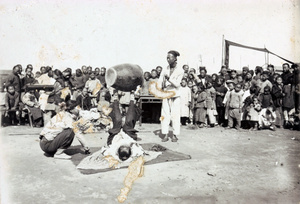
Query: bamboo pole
[{"x": 223, "y": 52}]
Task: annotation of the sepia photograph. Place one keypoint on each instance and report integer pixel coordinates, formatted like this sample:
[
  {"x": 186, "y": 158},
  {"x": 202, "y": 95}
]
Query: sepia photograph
[{"x": 149, "y": 101}]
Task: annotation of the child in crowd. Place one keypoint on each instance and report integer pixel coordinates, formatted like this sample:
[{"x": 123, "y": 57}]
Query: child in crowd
[
  {"x": 12, "y": 99},
  {"x": 55, "y": 95},
  {"x": 233, "y": 76},
  {"x": 293, "y": 122},
  {"x": 194, "y": 96},
  {"x": 200, "y": 107},
  {"x": 28, "y": 78},
  {"x": 266, "y": 119},
  {"x": 83, "y": 101},
  {"x": 191, "y": 77},
  {"x": 249, "y": 76},
  {"x": 235, "y": 107},
  {"x": 93, "y": 86},
  {"x": 246, "y": 89},
  {"x": 253, "y": 113},
  {"x": 185, "y": 75},
  {"x": 246, "y": 107},
  {"x": 264, "y": 82},
  {"x": 277, "y": 94},
  {"x": 214, "y": 78},
  {"x": 154, "y": 75},
  {"x": 190, "y": 84},
  {"x": 266, "y": 98},
  {"x": 192, "y": 71},
  {"x": 230, "y": 85},
  {"x": 288, "y": 102},
  {"x": 78, "y": 83},
  {"x": 210, "y": 103},
  {"x": 240, "y": 79},
  {"x": 37, "y": 75},
  {"x": 185, "y": 101},
  {"x": 145, "y": 88},
  {"x": 31, "y": 103},
  {"x": 220, "y": 94}
]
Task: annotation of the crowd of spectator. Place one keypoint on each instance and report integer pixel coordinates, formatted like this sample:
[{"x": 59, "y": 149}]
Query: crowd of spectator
[
  {"x": 259, "y": 99},
  {"x": 41, "y": 93},
  {"x": 246, "y": 99}
]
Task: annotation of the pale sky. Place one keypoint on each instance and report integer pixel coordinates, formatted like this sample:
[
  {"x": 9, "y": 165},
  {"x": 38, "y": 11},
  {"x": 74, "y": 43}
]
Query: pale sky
[{"x": 105, "y": 33}]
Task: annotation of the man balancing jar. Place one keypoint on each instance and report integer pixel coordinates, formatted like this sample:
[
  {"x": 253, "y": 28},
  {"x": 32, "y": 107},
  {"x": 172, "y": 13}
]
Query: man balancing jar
[{"x": 169, "y": 80}]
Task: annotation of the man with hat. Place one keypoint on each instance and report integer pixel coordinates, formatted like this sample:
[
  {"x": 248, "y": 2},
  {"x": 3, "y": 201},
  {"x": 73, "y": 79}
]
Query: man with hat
[{"x": 169, "y": 80}]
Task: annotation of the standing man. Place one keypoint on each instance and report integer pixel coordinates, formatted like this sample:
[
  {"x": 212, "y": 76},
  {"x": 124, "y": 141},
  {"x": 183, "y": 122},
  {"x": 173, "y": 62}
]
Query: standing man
[
  {"x": 14, "y": 79},
  {"x": 287, "y": 72},
  {"x": 102, "y": 76},
  {"x": 85, "y": 75},
  {"x": 245, "y": 70},
  {"x": 271, "y": 70},
  {"x": 28, "y": 78},
  {"x": 170, "y": 80}
]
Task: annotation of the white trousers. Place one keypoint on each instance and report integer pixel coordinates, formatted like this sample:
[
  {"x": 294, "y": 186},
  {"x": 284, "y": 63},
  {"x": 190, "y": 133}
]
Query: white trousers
[{"x": 170, "y": 111}]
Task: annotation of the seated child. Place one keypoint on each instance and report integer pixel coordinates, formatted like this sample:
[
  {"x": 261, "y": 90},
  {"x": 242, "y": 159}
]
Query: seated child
[
  {"x": 33, "y": 106},
  {"x": 266, "y": 119}
]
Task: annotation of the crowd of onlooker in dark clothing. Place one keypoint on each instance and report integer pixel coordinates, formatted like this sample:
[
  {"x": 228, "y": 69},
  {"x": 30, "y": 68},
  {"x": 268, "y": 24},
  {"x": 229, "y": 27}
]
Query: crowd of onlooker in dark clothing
[
  {"x": 84, "y": 89},
  {"x": 259, "y": 99},
  {"x": 248, "y": 99}
]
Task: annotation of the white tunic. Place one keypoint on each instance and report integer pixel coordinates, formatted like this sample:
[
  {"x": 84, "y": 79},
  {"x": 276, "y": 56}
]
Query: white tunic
[
  {"x": 170, "y": 110},
  {"x": 185, "y": 101}
]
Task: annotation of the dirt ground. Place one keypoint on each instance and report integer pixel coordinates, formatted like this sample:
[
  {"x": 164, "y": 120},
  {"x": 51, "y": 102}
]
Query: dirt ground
[{"x": 227, "y": 166}]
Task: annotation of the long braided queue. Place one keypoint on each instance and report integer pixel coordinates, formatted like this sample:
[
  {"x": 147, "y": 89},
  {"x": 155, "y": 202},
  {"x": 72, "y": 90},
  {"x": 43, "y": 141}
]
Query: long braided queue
[
  {"x": 158, "y": 92},
  {"x": 135, "y": 170}
]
